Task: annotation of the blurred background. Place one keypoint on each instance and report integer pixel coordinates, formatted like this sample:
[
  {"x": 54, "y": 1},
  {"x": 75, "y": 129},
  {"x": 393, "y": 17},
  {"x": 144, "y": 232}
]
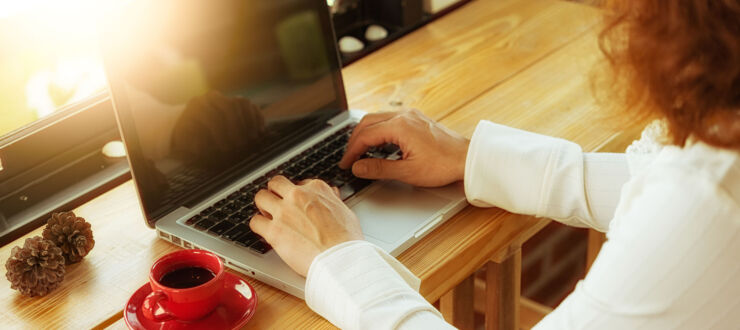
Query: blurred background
[{"x": 49, "y": 57}]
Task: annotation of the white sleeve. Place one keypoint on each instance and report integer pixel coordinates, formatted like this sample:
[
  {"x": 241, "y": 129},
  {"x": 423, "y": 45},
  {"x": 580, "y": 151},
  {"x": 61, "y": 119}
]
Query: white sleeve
[
  {"x": 528, "y": 173},
  {"x": 356, "y": 285},
  {"x": 671, "y": 261}
]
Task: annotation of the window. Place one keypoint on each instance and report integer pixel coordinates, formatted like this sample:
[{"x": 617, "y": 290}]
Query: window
[
  {"x": 55, "y": 115},
  {"x": 49, "y": 57}
]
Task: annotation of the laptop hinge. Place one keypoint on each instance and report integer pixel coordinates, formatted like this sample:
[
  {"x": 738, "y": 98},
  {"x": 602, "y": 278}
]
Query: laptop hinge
[{"x": 338, "y": 119}]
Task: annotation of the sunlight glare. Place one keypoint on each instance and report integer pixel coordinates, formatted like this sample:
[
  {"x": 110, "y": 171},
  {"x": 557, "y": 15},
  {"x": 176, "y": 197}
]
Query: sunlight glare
[{"x": 66, "y": 30}]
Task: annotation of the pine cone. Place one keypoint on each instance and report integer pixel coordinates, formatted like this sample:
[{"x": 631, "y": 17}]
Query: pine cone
[
  {"x": 70, "y": 233},
  {"x": 35, "y": 269}
]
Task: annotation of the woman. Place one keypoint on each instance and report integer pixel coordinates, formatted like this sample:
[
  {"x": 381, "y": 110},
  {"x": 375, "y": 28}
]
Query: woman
[{"x": 671, "y": 213}]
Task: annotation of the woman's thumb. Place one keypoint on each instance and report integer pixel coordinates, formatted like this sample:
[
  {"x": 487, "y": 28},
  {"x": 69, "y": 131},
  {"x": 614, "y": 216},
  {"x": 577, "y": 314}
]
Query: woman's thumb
[{"x": 372, "y": 168}]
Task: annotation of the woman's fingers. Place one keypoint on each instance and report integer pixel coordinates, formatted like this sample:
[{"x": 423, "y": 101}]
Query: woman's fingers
[
  {"x": 371, "y": 168},
  {"x": 260, "y": 225},
  {"x": 370, "y": 119},
  {"x": 304, "y": 182},
  {"x": 373, "y": 118},
  {"x": 370, "y": 136},
  {"x": 280, "y": 185},
  {"x": 304, "y": 226},
  {"x": 267, "y": 202},
  {"x": 336, "y": 191}
]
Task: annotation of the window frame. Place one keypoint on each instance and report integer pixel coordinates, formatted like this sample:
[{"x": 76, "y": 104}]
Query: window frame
[{"x": 56, "y": 163}]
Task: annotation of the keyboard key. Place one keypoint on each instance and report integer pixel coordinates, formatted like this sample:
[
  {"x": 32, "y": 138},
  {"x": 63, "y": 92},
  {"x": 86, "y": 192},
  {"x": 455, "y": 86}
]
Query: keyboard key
[
  {"x": 247, "y": 239},
  {"x": 390, "y": 148},
  {"x": 352, "y": 187},
  {"x": 208, "y": 211},
  {"x": 239, "y": 204},
  {"x": 236, "y": 200},
  {"x": 218, "y": 215},
  {"x": 336, "y": 145},
  {"x": 272, "y": 173},
  {"x": 230, "y": 208},
  {"x": 245, "y": 198},
  {"x": 221, "y": 227},
  {"x": 304, "y": 176},
  {"x": 205, "y": 224},
  {"x": 326, "y": 163},
  {"x": 236, "y": 232},
  {"x": 261, "y": 246},
  {"x": 235, "y": 219},
  {"x": 335, "y": 157},
  {"x": 261, "y": 181},
  {"x": 292, "y": 171},
  {"x": 323, "y": 152},
  {"x": 249, "y": 193},
  {"x": 245, "y": 210},
  {"x": 247, "y": 213},
  {"x": 193, "y": 220},
  {"x": 326, "y": 176},
  {"x": 313, "y": 159},
  {"x": 303, "y": 164}
]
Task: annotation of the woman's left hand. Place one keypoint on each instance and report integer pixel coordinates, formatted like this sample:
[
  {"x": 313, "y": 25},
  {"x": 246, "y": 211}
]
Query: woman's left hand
[{"x": 301, "y": 221}]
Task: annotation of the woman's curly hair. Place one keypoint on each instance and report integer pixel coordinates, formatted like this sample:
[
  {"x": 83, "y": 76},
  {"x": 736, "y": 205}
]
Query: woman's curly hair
[{"x": 679, "y": 60}]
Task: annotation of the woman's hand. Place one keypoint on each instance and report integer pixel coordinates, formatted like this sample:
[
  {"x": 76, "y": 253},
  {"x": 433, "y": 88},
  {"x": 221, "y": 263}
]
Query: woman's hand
[
  {"x": 301, "y": 221},
  {"x": 433, "y": 155}
]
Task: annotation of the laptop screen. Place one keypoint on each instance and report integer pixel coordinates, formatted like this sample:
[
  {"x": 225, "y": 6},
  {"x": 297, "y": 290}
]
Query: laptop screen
[{"x": 206, "y": 91}]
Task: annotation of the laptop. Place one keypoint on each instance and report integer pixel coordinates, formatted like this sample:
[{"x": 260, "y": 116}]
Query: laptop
[{"x": 213, "y": 98}]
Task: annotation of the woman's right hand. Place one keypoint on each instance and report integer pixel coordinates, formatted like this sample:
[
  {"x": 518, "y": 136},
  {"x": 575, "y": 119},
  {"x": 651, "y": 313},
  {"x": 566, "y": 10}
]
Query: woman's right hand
[{"x": 433, "y": 155}]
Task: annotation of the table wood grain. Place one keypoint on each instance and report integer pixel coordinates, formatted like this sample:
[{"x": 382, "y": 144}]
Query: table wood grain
[
  {"x": 447, "y": 64},
  {"x": 518, "y": 62}
]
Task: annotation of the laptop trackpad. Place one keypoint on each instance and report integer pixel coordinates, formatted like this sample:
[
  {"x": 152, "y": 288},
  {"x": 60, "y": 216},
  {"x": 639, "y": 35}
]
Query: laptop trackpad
[{"x": 395, "y": 210}]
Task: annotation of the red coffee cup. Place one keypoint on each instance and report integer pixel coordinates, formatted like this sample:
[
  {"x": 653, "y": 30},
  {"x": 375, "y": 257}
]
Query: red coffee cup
[{"x": 166, "y": 303}]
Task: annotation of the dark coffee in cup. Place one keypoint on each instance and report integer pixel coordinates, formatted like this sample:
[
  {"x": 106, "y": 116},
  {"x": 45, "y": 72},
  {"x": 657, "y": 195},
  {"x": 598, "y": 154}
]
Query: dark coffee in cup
[
  {"x": 187, "y": 277},
  {"x": 186, "y": 285}
]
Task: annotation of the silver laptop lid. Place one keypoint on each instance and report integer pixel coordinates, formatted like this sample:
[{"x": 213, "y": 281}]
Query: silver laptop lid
[{"x": 206, "y": 91}]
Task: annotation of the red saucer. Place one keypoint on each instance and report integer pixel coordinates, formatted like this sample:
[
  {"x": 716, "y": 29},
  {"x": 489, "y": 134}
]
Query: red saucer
[{"x": 237, "y": 306}]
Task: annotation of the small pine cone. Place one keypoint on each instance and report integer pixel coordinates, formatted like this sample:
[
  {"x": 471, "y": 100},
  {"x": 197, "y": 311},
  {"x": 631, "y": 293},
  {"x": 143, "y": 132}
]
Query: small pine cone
[
  {"x": 70, "y": 233},
  {"x": 35, "y": 269}
]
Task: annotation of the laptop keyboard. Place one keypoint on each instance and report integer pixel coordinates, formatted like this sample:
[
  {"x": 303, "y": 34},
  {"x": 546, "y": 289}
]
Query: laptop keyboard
[{"x": 229, "y": 218}]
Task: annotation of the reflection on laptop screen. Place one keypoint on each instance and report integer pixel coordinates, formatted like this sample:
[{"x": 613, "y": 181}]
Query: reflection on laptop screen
[{"x": 206, "y": 91}]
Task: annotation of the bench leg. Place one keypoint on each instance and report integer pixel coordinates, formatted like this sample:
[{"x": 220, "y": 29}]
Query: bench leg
[
  {"x": 503, "y": 281},
  {"x": 457, "y": 305}
]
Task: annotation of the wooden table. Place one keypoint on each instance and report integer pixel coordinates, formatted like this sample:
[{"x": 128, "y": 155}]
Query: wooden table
[{"x": 523, "y": 63}]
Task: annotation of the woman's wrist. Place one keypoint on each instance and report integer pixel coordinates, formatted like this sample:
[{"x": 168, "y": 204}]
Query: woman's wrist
[{"x": 461, "y": 160}]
